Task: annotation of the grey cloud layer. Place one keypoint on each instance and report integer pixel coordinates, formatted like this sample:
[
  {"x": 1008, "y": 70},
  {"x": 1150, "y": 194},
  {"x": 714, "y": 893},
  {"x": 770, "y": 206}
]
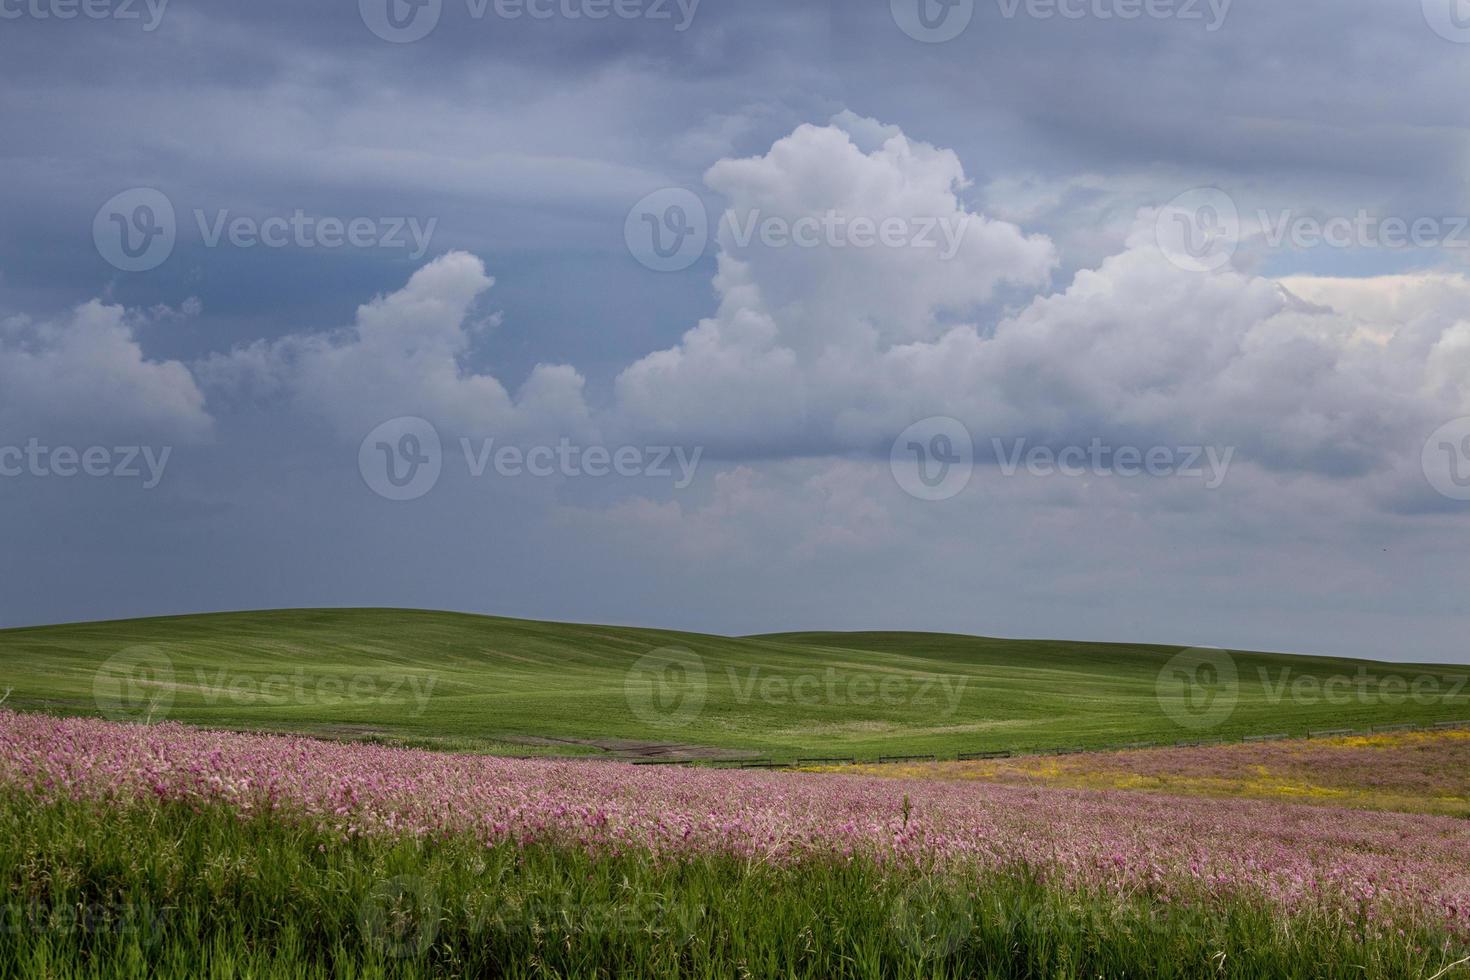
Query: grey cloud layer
[
  {"x": 1055, "y": 321},
  {"x": 834, "y": 349}
]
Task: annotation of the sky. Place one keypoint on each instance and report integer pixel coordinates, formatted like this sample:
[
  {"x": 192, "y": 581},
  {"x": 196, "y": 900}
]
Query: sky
[{"x": 1129, "y": 320}]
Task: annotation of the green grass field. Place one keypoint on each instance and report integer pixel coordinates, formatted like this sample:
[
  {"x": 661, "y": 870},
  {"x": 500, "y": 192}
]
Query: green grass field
[
  {"x": 481, "y": 683},
  {"x": 168, "y": 890}
]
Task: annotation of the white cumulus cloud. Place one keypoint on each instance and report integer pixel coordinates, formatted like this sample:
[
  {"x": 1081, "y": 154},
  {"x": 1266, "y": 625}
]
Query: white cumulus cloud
[
  {"x": 84, "y": 376},
  {"x": 404, "y": 355}
]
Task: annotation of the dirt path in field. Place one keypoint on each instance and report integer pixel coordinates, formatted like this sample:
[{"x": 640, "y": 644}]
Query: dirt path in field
[{"x": 636, "y": 749}]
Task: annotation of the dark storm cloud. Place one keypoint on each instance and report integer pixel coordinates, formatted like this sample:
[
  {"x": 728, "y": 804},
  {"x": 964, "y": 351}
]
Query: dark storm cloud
[{"x": 533, "y": 134}]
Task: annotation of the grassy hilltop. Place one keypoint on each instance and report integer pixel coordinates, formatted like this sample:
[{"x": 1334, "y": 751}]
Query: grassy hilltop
[{"x": 462, "y": 681}]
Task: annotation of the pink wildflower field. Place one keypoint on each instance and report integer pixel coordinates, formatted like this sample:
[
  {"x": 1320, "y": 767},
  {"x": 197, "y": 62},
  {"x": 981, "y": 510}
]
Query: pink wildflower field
[{"x": 1302, "y": 858}]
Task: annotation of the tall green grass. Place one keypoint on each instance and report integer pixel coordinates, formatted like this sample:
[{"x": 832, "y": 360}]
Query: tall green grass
[{"x": 163, "y": 890}]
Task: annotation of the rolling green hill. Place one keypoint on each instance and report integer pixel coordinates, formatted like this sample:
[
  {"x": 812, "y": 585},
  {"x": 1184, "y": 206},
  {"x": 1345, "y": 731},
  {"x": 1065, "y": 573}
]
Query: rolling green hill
[{"x": 475, "y": 682}]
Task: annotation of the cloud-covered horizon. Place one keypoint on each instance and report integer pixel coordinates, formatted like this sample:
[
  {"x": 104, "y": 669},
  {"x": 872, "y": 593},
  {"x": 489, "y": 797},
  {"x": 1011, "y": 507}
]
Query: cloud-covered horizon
[{"x": 1025, "y": 295}]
